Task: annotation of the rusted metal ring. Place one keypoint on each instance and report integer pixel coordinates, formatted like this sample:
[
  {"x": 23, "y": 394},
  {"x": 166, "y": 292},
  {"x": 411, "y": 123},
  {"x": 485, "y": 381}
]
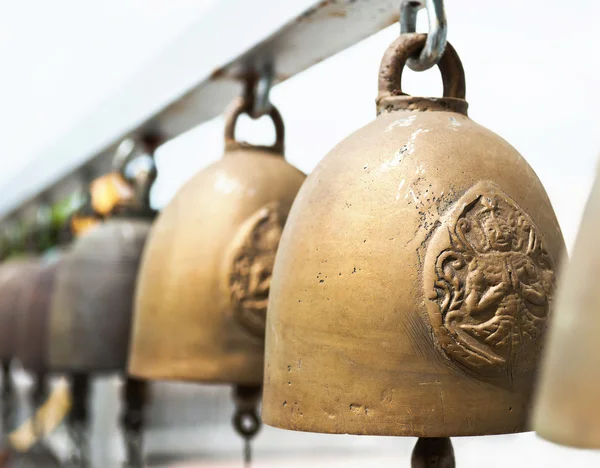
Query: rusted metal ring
[
  {"x": 434, "y": 47},
  {"x": 397, "y": 55},
  {"x": 244, "y": 106}
]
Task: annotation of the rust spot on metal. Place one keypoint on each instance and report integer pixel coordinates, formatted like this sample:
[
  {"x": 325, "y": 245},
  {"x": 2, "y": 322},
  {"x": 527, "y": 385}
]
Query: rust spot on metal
[
  {"x": 218, "y": 73},
  {"x": 308, "y": 14}
]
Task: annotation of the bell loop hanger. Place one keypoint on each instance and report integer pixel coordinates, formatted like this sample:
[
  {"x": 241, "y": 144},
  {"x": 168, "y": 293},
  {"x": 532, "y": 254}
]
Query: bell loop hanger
[
  {"x": 434, "y": 47},
  {"x": 255, "y": 103},
  {"x": 141, "y": 181}
]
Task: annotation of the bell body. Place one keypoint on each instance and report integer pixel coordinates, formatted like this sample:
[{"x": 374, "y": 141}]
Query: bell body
[
  {"x": 90, "y": 319},
  {"x": 33, "y": 323},
  {"x": 205, "y": 275},
  {"x": 14, "y": 276},
  {"x": 412, "y": 284},
  {"x": 567, "y": 408}
]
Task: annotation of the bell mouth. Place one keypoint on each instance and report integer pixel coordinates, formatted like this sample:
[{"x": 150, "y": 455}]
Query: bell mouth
[{"x": 421, "y": 104}]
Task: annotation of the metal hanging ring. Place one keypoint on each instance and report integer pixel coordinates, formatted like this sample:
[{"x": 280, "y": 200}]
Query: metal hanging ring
[
  {"x": 261, "y": 104},
  {"x": 434, "y": 47},
  {"x": 243, "y": 106},
  {"x": 246, "y": 423}
]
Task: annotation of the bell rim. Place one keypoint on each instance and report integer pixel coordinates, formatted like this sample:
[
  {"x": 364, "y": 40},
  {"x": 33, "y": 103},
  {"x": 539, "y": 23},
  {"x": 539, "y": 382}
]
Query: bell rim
[{"x": 303, "y": 427}]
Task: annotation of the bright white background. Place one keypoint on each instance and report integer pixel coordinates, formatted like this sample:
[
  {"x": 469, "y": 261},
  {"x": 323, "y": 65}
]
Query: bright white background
[{"x": 532, "y": 76}]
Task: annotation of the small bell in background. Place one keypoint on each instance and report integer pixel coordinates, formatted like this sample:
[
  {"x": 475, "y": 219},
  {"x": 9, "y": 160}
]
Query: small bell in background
[
  {"x": 204, "y": 281},
  {"x": 31, "y": 336},
  {"x": 567, "y": 409},
  {"x": 15, "y": 274},
  {"x": 92, "y": 304},
  {"x": 414, "y": 277}
]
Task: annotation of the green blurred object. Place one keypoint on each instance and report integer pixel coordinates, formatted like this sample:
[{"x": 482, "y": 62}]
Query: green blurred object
[{"x": 49, "y": 229}]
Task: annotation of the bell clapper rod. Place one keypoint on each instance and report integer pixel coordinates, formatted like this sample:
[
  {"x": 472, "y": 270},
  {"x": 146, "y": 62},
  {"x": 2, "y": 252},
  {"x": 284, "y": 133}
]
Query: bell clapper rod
[
  {"x": 433, "y": 452},
  {"x": 132, "y": 420},
  {"x": 7, "y": 393},
  {"x": 6, "y": 380},
  {"x": 245, "y": 419},
  {"x": 77, "y": 423}
]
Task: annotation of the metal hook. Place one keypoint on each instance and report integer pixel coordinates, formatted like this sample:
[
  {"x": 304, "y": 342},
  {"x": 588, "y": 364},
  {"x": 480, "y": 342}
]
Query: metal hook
[
  {"x": 438, "y": 30},
  {"x": 261, "y": 104}
]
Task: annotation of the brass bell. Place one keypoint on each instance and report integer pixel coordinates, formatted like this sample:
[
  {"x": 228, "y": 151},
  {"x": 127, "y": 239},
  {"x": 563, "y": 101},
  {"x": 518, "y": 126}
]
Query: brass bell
[
  {"x": 32, "y": 331},
  {"x": 14, "y": 276},
  {"x": 567, "y": 410},
  {"x": 204, "y": 280},
  {"x": 413, "y": 281},
  {"x": 93, "y": 298},
  {"x": 92, "y": 304}
]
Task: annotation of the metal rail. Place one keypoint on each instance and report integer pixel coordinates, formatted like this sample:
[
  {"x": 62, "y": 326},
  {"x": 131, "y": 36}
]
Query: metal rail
[{"x": 147, "y": 103}]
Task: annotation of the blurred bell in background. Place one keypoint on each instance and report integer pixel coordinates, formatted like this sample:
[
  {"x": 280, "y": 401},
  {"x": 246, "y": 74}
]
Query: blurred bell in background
[{"x": 137, "y": 245}]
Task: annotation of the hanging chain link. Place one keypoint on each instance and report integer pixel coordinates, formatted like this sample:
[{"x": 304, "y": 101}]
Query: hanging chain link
[
  {"x": 245, "y": 419},
  {"x": 436, "y": 37},
  {"x": 258, "y": 93}
]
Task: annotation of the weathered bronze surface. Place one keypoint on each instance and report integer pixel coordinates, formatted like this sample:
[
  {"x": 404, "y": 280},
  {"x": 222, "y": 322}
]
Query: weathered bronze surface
[
  {"x": 93, "y": 299},
  {"x": 567, "y": 407},
  {"x": 414, "y": 277},
  {"x": 14, "y": 275},
  {"x": 32, "y": 332},
  {"x": 205, "y": 275}
]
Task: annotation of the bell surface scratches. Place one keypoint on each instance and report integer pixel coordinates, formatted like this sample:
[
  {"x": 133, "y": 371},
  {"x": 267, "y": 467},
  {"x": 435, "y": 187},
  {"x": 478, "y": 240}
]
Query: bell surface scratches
[
  {"x": 90, "y": 318},
  {"x": 205, "y": 276},
  {"x": 567, "y": 409},
  {"x": 413, "y": 281}
]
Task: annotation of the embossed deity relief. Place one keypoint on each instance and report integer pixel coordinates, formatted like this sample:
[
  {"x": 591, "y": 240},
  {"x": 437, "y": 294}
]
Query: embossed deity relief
[
  {"x": 250, "y": 272},
  {"x": 488, "y": 283}
]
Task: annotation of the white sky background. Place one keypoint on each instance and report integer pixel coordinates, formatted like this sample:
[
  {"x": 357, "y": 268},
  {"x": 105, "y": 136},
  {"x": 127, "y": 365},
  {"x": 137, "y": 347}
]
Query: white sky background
[{"x": 532, "y": 71}]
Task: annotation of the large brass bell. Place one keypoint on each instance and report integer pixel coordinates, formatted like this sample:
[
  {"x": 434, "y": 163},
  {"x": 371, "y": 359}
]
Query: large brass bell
[
  {"x": 205, "y": 276},
  {"x": 415, "y": 274},
  {"x": 567, "y": 408}
]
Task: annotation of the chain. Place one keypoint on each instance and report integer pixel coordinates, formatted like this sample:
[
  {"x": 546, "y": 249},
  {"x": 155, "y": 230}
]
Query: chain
[
  {"x": 438, "y": 30},
  {"x": 258, "y": 91}
]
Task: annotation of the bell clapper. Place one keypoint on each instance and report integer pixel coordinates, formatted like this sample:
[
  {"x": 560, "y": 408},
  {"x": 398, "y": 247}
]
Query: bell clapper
[
  {"x": 433, "y": 452},
  {"x": 40, "y": 390},
  {"x": 132, "y": 420},
  {"x": 7, "y": 386},
  {"x": 7, "y": 393},
  {"x": 77, "y": 423},
  {"x": 245, "y": 419}
]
